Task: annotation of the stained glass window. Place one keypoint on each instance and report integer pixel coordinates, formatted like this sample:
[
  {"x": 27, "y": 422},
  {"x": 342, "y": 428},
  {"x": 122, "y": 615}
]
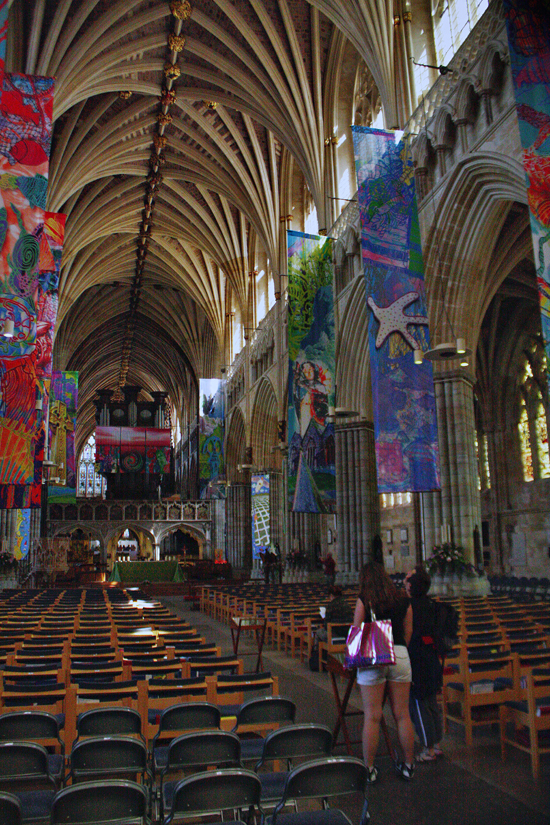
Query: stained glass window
[
  {"x": 482, "y": 457},
  {"x": 533, "y": 426},
  {"x": 541, "y": 428},
  {"x": 485, "y": 462},
  {"x": 90, "y": 483},
  {"x": 525, "y": 445}
]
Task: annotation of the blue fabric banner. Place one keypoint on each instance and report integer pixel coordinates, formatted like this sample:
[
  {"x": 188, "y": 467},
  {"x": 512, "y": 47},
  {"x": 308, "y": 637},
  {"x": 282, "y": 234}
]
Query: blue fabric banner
[{"x": 405, "y": 424}]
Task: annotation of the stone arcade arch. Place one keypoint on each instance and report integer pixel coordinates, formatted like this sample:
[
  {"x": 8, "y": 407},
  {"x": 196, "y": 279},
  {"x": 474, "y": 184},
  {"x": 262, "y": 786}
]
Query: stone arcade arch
[
  {"x": 239, "y": 547},
  {"x": 202, "y": 538},
  {"x": 464, "y": 270},
  {"x": 267, "y": 455}
]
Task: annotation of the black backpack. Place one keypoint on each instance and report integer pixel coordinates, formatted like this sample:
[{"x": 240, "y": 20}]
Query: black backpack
[{"x": 446, "y": 627}]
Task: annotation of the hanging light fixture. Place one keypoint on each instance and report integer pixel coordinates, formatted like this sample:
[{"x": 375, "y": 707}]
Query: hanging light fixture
[{"x": 449, "y": 351}]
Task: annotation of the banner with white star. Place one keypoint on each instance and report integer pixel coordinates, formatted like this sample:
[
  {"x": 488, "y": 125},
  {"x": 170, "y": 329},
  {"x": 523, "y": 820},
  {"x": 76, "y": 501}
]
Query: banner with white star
[{"x": 405, "y": 424}]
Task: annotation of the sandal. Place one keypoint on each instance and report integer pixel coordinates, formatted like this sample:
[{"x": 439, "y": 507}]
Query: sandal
[
  {"x": 405, "y": 771},
  {"x": 372, "y": 775},
  {"x": 426, "y": 756},
  {"x": 438, "y": 751}
]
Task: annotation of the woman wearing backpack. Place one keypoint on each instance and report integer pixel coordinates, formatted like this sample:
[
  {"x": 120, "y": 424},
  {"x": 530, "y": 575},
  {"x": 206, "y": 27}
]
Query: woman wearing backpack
[{"x": 427, "y": 671}]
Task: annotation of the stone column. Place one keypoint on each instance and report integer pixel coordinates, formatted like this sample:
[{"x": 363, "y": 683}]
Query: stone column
[
  {"x": 239, "y": 526},
  {"x": 458, "y": 503},
  {"x": 342, "y": 500},
  {"x": 357, "y": 494}
]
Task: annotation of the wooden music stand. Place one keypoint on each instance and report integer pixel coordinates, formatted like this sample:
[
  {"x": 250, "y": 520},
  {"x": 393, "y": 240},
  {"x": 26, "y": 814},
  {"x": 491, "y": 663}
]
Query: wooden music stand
[
  {"x": 249, "y": 623},
  {"x": 336, "y": 668}
]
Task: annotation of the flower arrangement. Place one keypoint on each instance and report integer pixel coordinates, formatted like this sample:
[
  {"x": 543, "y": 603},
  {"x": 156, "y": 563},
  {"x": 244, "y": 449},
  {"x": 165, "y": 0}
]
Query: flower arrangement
[
  {"x": 449, "y": 556},
  {"x": 7, "y": 562}
]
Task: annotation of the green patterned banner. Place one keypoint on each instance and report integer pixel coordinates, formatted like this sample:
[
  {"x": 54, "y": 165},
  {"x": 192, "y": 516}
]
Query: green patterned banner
[
  {"x": 211, "y": 432},
  {"x": 311, "y": 346}
]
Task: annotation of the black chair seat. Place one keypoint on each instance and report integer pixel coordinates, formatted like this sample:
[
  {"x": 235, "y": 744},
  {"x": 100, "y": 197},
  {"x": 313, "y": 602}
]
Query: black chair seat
[
  {"x": 229, "y": 710},
  {"x": 56, "y": 765},
  {"x": 273, "y": 785},
  {"x": 497, "y": 684},
  {"x": 332, "y": 816},
  {"x": 168, "y": 794},
  {"x": 160, "y": 757},
  {"x": 543, "y": 704},
  {"x": 251, "y": 749},
  {"x": 36, "y": 805}
]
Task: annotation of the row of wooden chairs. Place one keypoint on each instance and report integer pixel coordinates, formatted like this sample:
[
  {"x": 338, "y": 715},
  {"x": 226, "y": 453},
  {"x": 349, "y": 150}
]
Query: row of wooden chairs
[{"x": 505, "y": 687}]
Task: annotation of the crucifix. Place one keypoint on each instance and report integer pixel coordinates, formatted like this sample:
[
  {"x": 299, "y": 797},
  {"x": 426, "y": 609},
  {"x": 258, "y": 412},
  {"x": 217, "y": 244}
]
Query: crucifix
[{"x": 60, "y": 424}]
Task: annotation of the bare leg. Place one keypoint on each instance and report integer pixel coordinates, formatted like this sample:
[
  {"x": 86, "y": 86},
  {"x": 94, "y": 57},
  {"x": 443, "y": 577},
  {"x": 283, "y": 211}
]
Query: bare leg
[
  {"x": 373, "y": 696},
  {"x": 399, "y": 700}
]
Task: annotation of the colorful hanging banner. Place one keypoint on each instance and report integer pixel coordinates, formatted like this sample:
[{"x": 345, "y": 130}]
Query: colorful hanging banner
[
  {"x": 261, "y": 514},
  {"x": 211, "y": 432},
  {"x": 528, "y": 27},
  {"x": 21, "y": 537},
  {"x": 4, "y": 9},
  {"x": 405, "y": 424},
  {"x": 311, "y": 346},
  {"x": 107, "y": 449},
  {"x": 133, "y": 450},
  {"x": 28, "y": 291},
  {"x": 62, "y": 420}
]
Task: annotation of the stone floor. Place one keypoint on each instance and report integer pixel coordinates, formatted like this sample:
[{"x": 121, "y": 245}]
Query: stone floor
[{"x": 466, "y": 787}]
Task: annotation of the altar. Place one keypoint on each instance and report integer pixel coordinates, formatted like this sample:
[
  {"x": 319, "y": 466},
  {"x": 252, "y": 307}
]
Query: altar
[{"x": 147, "y": 571}]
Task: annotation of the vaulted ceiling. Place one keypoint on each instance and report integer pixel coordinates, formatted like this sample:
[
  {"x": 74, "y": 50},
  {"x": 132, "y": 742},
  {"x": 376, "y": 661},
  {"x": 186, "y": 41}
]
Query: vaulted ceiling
[{"x": 180, "y": 131}]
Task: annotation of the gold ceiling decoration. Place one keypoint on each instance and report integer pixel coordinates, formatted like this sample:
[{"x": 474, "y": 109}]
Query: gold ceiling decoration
[
  {"x": 164, "y": 119},
  {"x": 160, "y": 141},
  {"x": 167, "y": 97},
  {"x": 210, "y": 104},
  {"x": 181, "y": 9},
  {"x": 125, "y": 95},
  {"x": 176, "y": 42},
  {"x": 171, "y": 71}
]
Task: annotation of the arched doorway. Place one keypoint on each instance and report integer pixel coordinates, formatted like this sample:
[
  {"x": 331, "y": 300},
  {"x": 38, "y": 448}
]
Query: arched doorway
[
  {"x": 84, "y": 558},
  {"x": 129, "y": 543},
  {"x": 181, "y": 545},
  {"x": 128, "y": 547}
]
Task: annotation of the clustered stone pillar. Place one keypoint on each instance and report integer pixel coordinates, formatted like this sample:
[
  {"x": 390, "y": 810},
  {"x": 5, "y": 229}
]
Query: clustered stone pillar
[
  {"x": 304, "y": 529},
  {"x": 356, "y": 495},
  {"x": 458, "y": 503},
  {"x": 238, "y": 526}
]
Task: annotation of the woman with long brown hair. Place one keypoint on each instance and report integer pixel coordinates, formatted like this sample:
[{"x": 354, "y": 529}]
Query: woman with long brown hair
[{"x": 379, "y": 594}]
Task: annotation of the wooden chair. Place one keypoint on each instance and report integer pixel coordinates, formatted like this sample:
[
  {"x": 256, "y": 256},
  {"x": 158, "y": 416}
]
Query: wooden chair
[
  {"x": 529, "y": 714},
  {"x": 165, "y": 693},
  {"x": 210, "y": 665},
  {"x": 292, "y": 634},
  {"x": 229, "y": 692},
  {"x": 482, "y": 685},
  {"x": 91, "y": 695},
  {"x": 335, "y": 643}
]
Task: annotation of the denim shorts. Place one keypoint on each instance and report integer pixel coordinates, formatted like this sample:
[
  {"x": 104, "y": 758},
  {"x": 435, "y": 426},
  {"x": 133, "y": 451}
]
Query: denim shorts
[{"x": 399, "y": 672}]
